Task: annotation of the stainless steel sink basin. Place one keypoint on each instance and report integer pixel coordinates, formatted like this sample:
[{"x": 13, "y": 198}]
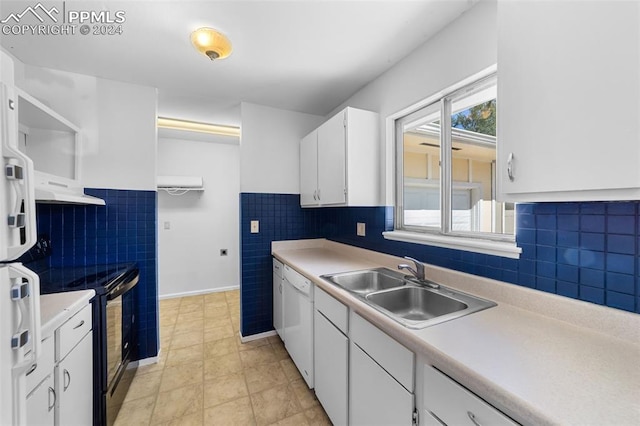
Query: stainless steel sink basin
[
  {"x": 406, "y": 300},
  {"x": 416, "y": 303},
  {"x": 368, "y": 281}
]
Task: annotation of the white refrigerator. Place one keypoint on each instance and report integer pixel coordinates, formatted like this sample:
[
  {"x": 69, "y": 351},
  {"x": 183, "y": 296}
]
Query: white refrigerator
[{"x": 19, "y": 287}]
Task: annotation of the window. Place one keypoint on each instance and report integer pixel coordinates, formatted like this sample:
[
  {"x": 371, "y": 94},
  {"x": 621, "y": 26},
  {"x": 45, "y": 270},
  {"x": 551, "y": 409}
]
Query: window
[{"x": 446, "y": 171}]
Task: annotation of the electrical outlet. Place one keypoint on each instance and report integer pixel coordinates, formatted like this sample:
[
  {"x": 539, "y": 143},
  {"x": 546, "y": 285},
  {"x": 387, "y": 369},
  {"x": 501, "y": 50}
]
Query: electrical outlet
[
  {"x": 361, "y": 229},
  {"x": 223, "y": 252},
  {"x": 255, "y": 226}
]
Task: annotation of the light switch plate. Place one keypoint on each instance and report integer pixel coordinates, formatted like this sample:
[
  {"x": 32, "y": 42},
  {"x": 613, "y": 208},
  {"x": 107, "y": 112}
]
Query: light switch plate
[
  {"x": 361, "y": 229},
  {"x": 255, "y": 226}
]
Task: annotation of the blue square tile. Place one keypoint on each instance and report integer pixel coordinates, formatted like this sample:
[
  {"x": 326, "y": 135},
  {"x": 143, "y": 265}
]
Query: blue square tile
[
  {"x": 545, "y": 208},
  {"x": 546, "y": 269},
  {"x": 592, "y": 208},
  {"x": 592, "y": 223},
  {"x": 623, "y": 244},
  {"x": 622, "y": 283},
  {"x": 592, "y": 277},
  {"x": 546, "y": 221},
  {"x": 526, "y": 236},
  {"x": 567, "y": 273},
  {"x": 590, "y": 241},
  {"x": 568, "y": 208},
  {"x": 621, "y": 225},
  {"x": 622, "y": 208},
  {"x": 525, "y": 221},
  {"x": 621, "y": 263},
  {"x": 568, "y": 222},
  {"x": 546, "y": 237},
  {"x": 620, "y": 301},
  {"x": 590, "y": 294},
  {"x": 568, "y": 238},
  {"x": 546, "y": 284},
  {"x": 546, "y": 253},
  {"x": 527, "y": 280},
  {"x": 567, "y": 289},
  {"x": 569, "y": 256},
  {"x": 592, "y": 259}
]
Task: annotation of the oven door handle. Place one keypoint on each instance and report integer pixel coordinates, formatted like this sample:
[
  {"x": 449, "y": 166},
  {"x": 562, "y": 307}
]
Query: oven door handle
[{"x": 123, "y": 288}]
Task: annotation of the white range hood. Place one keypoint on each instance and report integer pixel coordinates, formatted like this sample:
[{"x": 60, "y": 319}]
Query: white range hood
[{"x": 57, "y": 190}]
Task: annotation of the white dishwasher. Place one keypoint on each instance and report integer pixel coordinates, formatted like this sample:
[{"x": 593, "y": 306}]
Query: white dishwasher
[{"x": 298, "y": 321}]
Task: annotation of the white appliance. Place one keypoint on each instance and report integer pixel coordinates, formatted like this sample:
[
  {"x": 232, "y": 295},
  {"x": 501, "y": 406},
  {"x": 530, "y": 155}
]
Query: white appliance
[
  {"x": 19, "y": 287},
  {"x": 298, "y": 322},
  {"x": 278, "y": 298}
]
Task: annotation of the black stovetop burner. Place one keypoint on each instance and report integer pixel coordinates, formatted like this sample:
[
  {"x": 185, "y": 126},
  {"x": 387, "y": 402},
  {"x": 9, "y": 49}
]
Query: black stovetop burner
[{"x": 101, "y": 278}]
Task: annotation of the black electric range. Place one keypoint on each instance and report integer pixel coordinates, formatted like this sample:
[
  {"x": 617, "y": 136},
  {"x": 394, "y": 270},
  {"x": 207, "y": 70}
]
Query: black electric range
[{"x": 114, "y": 331}]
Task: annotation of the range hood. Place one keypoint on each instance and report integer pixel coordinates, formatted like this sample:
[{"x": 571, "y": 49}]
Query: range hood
[{"x": 50, "y": 189}]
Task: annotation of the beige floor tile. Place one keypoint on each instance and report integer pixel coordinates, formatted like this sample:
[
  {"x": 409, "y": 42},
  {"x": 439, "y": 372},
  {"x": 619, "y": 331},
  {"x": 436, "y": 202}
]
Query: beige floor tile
[
  {"x": 216, "y": 298},
  {"x": 189, "y": 326},
  {"x": 144, "y": 385},
  {"x": 306, "y": 397},
  {"x": 264, "y": 377},
  {"x": 196, "y": 419},
  {"x": 220, "y": 347},
  {"x": 170, "y": 303},
  {"x": 237, "y": 412},
  {"x": 169, "y": 320},
  {"x": 184, "y": 355},
  {"x": 274, "y": 404},
  {"x": 235, "y": 322},
  {"x": 217, "y": 333},
  {"x": 189, "y": 300},
  {"x": 232, "y": 295},
  {"x": 190, "y": 316},
  {"x": 317, "y": 417},
  {"x": 191, "y": 306},
  {"x": 136, "y": 412},
  {"x": 258, "y": 356},
  {"x": 178, "y": 403},
  {"x": 165, "y": 341},
  {"x": 299, "y": 419},
  {"x": 210, "y": 323},
  {"x": 189, "y": 338},
  {"x": 280, "y": 351},
  {"x": 252, "y": 344},
  {"x": 224, "y": 389},
  {"x": 222, "y": 365},
  {"x": 274, "y": 339},
  {"x": 182, "y": 375},
  {"x": 290, "y": 370},
  {"x": 216, "y": 311}
]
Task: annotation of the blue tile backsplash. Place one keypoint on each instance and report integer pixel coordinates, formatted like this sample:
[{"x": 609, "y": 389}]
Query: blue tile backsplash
[
  {"x": 586, "y": 251},
  {"x": 122, "y": 231}
]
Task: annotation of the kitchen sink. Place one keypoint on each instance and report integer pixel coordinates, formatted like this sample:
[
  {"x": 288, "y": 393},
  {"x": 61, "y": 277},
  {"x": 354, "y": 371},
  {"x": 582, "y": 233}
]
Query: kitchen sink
[
  {"x": 368, "y": 281},
  {"x": 416, "y": 303},
  {"x": 410, "y": 302}
]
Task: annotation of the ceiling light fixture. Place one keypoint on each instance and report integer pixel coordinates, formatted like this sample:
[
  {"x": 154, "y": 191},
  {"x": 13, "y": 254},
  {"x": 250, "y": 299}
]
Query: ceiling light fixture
[
  {"x": 194, "y": 126},
  {"x": 211, "y": 42}
]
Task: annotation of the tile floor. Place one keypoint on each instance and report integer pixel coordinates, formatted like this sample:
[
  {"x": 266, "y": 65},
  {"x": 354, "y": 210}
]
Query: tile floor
[{"x": 206, "y": 376}]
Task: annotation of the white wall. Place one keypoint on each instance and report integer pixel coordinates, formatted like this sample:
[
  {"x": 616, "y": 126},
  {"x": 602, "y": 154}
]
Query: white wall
[
  {"x": 117, "y": 122},
  {"x": 270, "y": 150},
  {"x": 463, "y": 48},
  {"x": 201, "y": 223}
]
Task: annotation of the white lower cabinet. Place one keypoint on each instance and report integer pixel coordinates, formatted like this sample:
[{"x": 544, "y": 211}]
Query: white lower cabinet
[
  {"x": 41, "y": 403},
  {"x": 448, "y": 403},
  {"x": 60, "y": 385},
  {"x": 331, "y": 368},
  {"x": 278, "y": 298},
  {"x": 376, "y": 398},
  {"x": 74, "y": 377}
]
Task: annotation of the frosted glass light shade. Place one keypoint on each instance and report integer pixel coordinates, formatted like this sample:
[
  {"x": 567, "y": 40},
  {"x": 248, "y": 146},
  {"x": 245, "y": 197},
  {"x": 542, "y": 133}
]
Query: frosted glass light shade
[{"x": 211, "y": 43}]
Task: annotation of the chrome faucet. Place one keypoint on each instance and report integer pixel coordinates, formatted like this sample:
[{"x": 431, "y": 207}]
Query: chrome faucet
[{"x": 418, "y": 272}]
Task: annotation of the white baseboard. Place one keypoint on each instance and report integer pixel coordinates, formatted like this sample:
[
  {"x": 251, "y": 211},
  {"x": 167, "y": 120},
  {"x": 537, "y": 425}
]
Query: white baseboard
[
  {"x": 246, "y": 339},
  {"x": 198, "y": 292},
  {"x": 145, "y": 361}
]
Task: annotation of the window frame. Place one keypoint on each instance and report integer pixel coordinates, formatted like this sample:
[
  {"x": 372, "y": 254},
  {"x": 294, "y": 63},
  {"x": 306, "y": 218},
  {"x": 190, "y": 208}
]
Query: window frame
[{"x": 444, "y": 236}]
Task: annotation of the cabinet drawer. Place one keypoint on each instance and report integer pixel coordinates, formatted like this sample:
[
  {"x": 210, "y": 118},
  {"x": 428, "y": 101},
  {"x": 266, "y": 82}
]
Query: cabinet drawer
[
  {"x": 72, "y": 331},
  {"x": 333, "y": 310},
  {"x": 391, "y": 355},
  {"x": 44, "y": 366},
  {"x": 452, "y": 404},
  {"x": 277, "y": 267}
]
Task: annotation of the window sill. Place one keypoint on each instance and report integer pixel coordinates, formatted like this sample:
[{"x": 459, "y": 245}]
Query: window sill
[{"x": 496, "y": 248}]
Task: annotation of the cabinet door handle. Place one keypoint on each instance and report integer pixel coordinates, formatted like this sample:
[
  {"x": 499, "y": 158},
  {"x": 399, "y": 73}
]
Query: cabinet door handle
[
  {"x": 510, "y": 166},
  {"x": 314, "y": 195},
  {"x": 318, "y": 195},
  {"x": 79, "y": 325},
  {"x": 473, "y": 418},
  {"x": 66, "y": 380},
  {"x": 32, "y": 369},
  {"x": 280, "y": 288},
  {"x": 52, "y": 392}
]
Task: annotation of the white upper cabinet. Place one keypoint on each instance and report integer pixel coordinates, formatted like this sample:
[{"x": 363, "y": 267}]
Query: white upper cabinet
[
  {"x": 339, "y": 161},
  {"x": 568, "y": 100}
]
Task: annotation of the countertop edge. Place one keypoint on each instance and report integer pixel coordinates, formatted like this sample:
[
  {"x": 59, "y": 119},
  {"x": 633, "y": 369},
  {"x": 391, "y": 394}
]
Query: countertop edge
[{"x": 57, "y": 308}]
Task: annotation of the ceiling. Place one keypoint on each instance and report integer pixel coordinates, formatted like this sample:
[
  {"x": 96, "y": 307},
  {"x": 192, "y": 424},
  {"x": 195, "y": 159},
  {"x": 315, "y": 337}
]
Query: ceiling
[{"x": 302, "y": 55}]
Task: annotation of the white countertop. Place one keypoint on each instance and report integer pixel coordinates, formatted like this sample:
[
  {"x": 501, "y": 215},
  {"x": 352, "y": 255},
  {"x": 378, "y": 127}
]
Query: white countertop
[
  {"x": 56, "y": 308},
  {"x": 538, "y": 357}
]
